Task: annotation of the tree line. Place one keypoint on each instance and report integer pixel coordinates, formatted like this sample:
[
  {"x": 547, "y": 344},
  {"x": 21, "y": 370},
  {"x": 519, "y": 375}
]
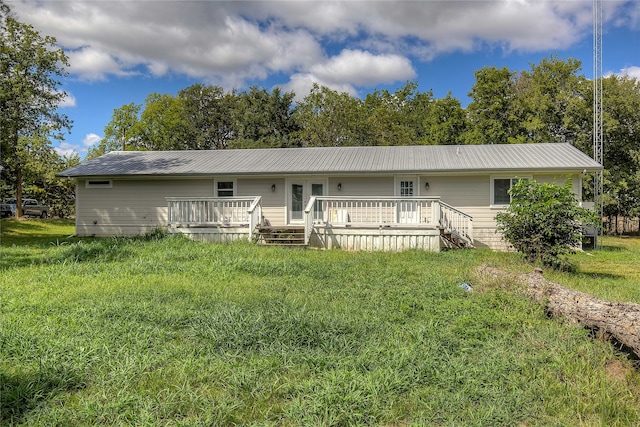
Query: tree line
[
  {"x": 549, "y": 102},
  {"x": 31, "y": 67}
]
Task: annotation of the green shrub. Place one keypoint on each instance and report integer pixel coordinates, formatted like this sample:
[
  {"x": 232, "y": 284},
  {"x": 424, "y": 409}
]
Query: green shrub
[{"x": 544, "y": 222}]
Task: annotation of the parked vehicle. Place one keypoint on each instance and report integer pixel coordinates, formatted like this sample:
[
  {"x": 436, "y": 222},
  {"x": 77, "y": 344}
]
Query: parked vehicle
[
  {"x": 30, "y": 207},
  {"x": 8, "y": 208}
]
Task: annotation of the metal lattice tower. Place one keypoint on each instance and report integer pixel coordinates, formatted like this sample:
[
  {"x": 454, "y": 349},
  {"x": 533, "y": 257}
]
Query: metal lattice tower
[{"x": 598, "y": 142}]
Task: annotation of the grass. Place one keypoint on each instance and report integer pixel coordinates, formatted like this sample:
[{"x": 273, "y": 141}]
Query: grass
[
  {"x": 165, "y": 331},
  {"x": 612, "y": 273}
]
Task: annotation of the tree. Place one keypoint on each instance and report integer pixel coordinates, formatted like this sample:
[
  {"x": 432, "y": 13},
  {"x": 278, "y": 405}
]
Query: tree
[
  {"x": 41, "y": 164},
  {"x": 163, "y": 124},
  {"x": 123, "y": 130},
  {"x": 545, "y": 99},
  {"x": 489, "y": 112},
  {"x": 30, "y": 69},
  {"x": 621, "y": 126},
  {"x": 329, "y": 119},
  {"x": 544, "y": 222},
  {"x": 264, "y": 119},
  {"x": 397, "y": 118},
  {"x": 209, "y": 115},
  {"x": 444, "y": 122}
]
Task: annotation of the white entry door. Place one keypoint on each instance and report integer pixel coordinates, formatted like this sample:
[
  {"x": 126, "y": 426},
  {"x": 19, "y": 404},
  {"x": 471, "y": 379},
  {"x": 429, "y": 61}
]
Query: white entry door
[
  {"x": 300, "y": 191},
  {"x": 407, "y": 210}
]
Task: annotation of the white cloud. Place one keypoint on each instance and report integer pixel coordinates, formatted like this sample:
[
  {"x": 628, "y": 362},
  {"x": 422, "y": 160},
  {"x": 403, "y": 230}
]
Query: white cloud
[
  {"x": 93, "y": 65},
  {"x": 301, "y": 84},
  {"x": 66, "y": 149},
  {"x": 68, "y": 101},
  {"x": 633, "y": 72},
  {"x": 91, "y": 139},
  {"x": 209, "y": 40},
  {"x": 235, "y": 42},
  {"x": 362, "y": 68},
  {"x": 628, "y": 17}
]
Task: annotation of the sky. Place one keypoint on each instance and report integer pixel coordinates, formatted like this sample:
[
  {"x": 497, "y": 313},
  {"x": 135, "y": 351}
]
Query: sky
[{"x": 122, "y": 51}]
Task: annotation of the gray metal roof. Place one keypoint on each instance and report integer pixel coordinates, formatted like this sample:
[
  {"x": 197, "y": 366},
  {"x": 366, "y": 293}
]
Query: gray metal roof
[{"x": 338, "y": 160}]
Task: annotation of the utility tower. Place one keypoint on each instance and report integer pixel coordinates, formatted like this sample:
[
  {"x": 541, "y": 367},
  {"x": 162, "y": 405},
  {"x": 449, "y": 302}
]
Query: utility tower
[{"x": 598, "y": 143}]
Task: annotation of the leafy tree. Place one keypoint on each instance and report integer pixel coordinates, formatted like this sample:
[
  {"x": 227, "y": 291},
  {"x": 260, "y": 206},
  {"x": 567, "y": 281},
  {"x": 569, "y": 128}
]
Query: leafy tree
[
  {"x": 209, "y": 115},
  {"x": 621, "y": 128},
  {"x": 123, "y": 131},
  {"x": 264, "y": 119},
  {"x": 40, "y": 165},
  {"x": 444, "y": 122},
  {"x": 40, "y": 181},
  {"x": 490, "y": 118},
  {"x": 30, "y": 69},
  {"x": 544, "y": 222},
  {"x": 329, "y": 119},
  {"x": 545, "y": 101},
  {"x": 163, "y": 124},
  {"x": 396, "y": 118}
]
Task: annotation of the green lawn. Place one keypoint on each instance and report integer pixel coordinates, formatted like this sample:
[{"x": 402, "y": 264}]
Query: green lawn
[{"x": 172, "y": 332}]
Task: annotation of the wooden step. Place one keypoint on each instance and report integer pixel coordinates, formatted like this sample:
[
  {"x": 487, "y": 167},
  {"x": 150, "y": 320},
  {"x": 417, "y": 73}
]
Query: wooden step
[{"x": 282, "y": 236}]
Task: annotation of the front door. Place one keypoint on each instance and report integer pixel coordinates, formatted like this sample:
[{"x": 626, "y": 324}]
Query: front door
[
  {"x": 407, "y": 210},
  {"x": 300, "y": 191}
]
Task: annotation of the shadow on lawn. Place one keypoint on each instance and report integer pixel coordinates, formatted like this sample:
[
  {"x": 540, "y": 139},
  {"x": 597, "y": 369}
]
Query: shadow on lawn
[
  {"x": 106, "y": 250},
  {"x": 34, "y": 233},
  {"x": 598, "y": 275},
  {"x": 20, "y": 394},
  {"x": 94, "y": 250},
  {"x": 609, "y": 248},
  {"x": 14, "y": 258}
]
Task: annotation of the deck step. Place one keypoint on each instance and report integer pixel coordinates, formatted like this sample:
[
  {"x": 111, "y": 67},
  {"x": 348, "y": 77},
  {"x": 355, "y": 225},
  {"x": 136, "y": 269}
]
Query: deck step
[
  {"x": 282, "y": 236},
  {"x": 454, "y": 240}
]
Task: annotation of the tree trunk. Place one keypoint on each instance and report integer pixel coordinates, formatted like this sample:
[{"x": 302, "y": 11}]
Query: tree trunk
[
  {"x": 18, "y": 191},
  {"x": 18, "y": 176},
  {"x": 620, "y": 321}
]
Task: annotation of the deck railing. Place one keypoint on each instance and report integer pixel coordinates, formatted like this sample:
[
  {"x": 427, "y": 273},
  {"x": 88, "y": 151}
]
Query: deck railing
[
  {"x": 456, "y": 221},
  {"x": 391, "y": 211},
  {"x": 386, "y": 212},
  {"x": 215, "y": 211},
  {"x": 368, "y": 212}
]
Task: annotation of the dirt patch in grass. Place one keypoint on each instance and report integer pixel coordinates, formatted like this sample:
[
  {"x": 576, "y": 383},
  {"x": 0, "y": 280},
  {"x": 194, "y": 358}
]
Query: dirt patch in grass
[{"x": 618, "y": 370}]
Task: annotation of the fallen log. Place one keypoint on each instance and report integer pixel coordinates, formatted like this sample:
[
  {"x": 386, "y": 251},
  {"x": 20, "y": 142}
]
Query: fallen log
[{"x": 620, "y": 321}]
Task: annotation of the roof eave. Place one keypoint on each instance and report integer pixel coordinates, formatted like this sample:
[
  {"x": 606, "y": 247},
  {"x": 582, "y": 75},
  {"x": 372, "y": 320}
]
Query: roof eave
[{"x": 573, "y": 169}]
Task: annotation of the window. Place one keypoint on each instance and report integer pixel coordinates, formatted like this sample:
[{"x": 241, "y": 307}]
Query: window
[
  {"x": 98, "y": 183},
  {"x": 406, "y": 188},
  {"x": 225, "y": 188},
  {"x": 500, "y": 190}
]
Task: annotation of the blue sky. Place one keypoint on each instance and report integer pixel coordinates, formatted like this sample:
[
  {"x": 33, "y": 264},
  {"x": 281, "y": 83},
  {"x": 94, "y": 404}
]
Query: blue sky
[{"x": 122, "y": 51}]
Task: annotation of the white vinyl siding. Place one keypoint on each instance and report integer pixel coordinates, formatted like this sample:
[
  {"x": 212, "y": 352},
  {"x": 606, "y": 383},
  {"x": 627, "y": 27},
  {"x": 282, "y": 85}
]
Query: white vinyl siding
[
  {"x": 136, "y": 206},
  {"x": 273, "y": 201},
  {"x": 131, "y": 207},
  {"x": 361, "y": 186}
]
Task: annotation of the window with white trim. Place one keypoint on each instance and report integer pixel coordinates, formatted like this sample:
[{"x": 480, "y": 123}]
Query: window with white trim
[
  {"x": 500, "y": 187},
  {"x": 406, "y": 188},
  {"x": 225, "y": 188}
]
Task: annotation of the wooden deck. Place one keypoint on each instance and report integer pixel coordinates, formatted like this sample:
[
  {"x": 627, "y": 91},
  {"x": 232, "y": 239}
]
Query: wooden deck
[{"x": 389, "y": 224}]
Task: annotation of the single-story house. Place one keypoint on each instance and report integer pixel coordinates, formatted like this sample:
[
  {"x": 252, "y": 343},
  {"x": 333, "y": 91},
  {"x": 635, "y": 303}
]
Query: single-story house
[{"x": 371, "y": 198}]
